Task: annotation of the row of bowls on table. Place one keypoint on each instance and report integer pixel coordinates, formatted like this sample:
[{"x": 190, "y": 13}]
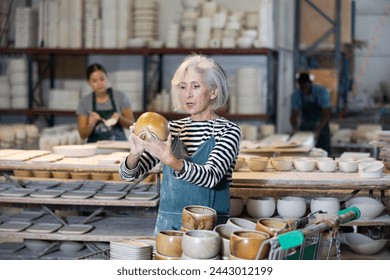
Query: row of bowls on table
[
  {"x": 368, "y": 167},
  {"x": 296, "y": 207}
]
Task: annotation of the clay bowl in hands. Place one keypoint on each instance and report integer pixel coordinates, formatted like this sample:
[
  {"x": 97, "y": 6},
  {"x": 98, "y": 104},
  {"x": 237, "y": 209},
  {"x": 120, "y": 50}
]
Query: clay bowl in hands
[
  {"x": 245, "y": 244},
  {"x": 198, "y": 217},
  {"x": 201, "y": 244},
  {"x": 260, "y": 207},
  {"x": 157, "y": 125},
  {"x": 330, "y": 205},
  {"x": 272, "y": 226},
  {"x": 168, "y": 243},
  {"x": 291, "y": 207}
]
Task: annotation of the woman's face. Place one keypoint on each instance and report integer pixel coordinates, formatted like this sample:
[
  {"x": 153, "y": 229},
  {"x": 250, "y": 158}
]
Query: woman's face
[
  {"x": 98, "y": 81},
  {"x": 196, "y": 96}
]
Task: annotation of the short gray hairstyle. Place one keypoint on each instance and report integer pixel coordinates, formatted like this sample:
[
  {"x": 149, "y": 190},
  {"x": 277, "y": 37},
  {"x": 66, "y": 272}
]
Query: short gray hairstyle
[{"x": 213, "y": 75}]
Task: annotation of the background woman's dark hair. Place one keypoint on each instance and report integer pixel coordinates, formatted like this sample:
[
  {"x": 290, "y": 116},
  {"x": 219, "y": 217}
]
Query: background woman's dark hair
[{"x": 93, "y": 68}]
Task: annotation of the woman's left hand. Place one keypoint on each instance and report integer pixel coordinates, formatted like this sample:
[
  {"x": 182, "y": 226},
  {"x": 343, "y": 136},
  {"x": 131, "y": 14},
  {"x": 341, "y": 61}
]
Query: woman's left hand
[{"x": 159, "y": 149}]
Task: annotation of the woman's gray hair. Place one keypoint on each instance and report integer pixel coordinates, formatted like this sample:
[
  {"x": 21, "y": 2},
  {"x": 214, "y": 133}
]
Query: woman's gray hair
[{"x": 213, "y": 75}]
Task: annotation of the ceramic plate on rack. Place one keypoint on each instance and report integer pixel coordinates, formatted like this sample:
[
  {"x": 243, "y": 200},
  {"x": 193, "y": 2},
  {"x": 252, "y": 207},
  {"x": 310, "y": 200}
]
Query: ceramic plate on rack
[
  {"x": 47, "y": 193},
  {"x": 14, "y": 226},
  {"x": 16, "y": 192},
  {"x": 69, "y": 186},
  {"x": 25, "y": 155},
  {"x": 78, "y": 194},
  {"x": 44, "y": 228},
  {"x": 142, "y": 195},
  {"x": 109, "y": 195},
  {"x": 39, "y": 185},
  {"x": 11, "y": 247},
  {"x": 75, "y": 229},
  {"x": 27, "y": 216},
  {"x": 47, "y": 158}
]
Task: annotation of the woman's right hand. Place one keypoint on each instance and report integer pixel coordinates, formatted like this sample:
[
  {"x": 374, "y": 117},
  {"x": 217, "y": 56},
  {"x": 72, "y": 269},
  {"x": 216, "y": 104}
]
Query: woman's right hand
[
  {"x": 136, "y": 144},
  {"x": 93, "y": 118}
]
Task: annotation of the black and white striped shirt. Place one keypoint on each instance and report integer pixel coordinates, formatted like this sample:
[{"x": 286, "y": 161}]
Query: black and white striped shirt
[{"x": 220, "y": 163}]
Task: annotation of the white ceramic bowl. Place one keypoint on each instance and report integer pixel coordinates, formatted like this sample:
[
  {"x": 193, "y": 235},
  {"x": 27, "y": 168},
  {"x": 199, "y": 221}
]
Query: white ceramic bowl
[
  {"x": 326, "y": 164},
  {"x": 304, "y": 164},
  {"x": 241, "y": 223},
  {"x": 236, "y": 206},
  {"x": 371, "y": 170},
  {"x": 330, "y": 205},
  {"x": 260, "y": 207},
  {"x": 282, "y": 163},
  {"x": 362, "y": 244},
  {"x": 257, "y": 163},
  {"x": 369, "y": 207},
  {"x": 347, "y": 165},
  {"x": 201, "y": 244},
  {"x": 291, "y": 207},
  {"x": 224, "y": 231}
]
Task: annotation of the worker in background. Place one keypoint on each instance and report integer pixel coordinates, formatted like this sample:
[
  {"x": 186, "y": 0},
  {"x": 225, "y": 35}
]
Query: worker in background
[
  {"x": 104, "y": 113},
  {"x": 311, "y": 110}
]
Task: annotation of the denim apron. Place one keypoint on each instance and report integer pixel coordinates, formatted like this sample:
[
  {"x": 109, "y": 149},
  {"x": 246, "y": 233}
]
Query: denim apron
[
  {"x": 101, "y": 131},
  {"x": 176, "y": 194},
  {"x": 311, "y": 117}
]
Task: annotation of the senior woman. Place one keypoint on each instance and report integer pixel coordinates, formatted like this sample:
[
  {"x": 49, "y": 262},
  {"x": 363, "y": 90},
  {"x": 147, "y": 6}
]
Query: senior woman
[{"x": 201, "y": 150}]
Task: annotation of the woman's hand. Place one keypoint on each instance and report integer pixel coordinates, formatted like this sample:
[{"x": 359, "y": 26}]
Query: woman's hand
[
  {"x": 93, "y": 118},
  {"x": 136, "y": 144}
]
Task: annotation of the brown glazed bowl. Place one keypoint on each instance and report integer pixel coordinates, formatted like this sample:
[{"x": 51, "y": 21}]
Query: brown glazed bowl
[
  {"x": 271, "y": 226},
  {"x": 168, "y": 243},
  {"x": 245, "y": 244},
  {"x": 157, "y": 125},
  {"x": 198, "y": 217},
  {"x": 161, "y": 257}
]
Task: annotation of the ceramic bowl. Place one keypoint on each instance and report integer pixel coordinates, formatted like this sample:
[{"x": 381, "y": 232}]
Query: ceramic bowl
[
  {"x": 241, "y": 223},
  {"x": 104, "y": 176},
  {"x": 62, "y": 174},
  {"x": 282, "y": 163},
  {"x": 161, "y": 257},
  {"x": 326, "y": 164},
  {"x": 168, "y": 243},
  {"x": 369, "y": 207},
  {"x": 257, "y": 163},
  {"x": 42, "y": 174},
  {"x": 201, "y": 244},
  {"x": 157, "y": 125},
  {"x": 184, "y": 257},
  {"x": 240, "y": 162},
  {"x": 260, "y": 207},
  {"x": 347, "y": 165},
  {"x": 364, "y": 245},
  {"x": 330, "y": 205},
  {"x": 304, "y": 164},
  {"x": 371, "y": 170},
  {"x": 246, "y": 244},
  {"x": 271, "y": 226},
  {"x": 236, "y": 206},
  {"x": 198, "y": 217},
  {"x": 23, "y": 173},
  {"x": 224, "y": 231},
  {"x": 291, "y": 207}
]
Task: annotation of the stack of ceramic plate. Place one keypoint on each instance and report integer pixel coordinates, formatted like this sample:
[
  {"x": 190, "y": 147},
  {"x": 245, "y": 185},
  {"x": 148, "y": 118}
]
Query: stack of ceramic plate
[
  {"x": 130, "y": 250},
  {"x": 145, "y": 20},
  {"x": 130, "y": 83},
  {"x": 26, "y": 27},
  {"x": 148, "y": 240},
  {"x": 5, "y": 92}
]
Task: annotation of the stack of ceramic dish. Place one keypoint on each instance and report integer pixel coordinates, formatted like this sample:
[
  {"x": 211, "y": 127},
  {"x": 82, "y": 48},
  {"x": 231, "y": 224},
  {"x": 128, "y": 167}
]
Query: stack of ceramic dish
[
  {"x": 17, "y": 73},
  {"x": 26, "y": 27},
  {"x": 145, "y": 20},
  {"x": 62, "y": 99},
  {"x": 130, "y": 83},
  {"x": 93, "y": 25},
  {"x": 5, "y": 92},
  {"x": 130, "y": 250}
]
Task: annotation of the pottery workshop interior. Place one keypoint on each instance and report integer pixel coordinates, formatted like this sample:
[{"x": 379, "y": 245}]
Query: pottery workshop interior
[{"x": 194, "y": 130}]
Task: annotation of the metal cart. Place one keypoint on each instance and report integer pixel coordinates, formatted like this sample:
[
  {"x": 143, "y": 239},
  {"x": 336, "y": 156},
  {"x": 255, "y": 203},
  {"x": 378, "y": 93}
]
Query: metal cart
[{"x": 307, "y": 243}]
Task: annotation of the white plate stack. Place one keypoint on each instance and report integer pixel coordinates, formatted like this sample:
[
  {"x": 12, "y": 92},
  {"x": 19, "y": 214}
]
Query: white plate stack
[
  {"x": 130, "y": 250},
  {"x": 5, "y": 92},
  {"x": 251, "y": 91},
  {"x": 26, "y": 27},
  {"x": 130, "y": 82},
  {"x": 109, "y": 23},
  {"x": 61, "y": 99},
  {"x": 145, "y": 20},
  {"x": 92, "y": 25},
  {"x": 17, "y": 73}
]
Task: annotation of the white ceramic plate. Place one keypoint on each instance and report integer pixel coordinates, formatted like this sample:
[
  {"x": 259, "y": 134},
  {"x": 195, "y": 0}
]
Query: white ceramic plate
[
  {"x": 27, "y": 216},
  {"x": 16, "y": 192},
  {"x": 75, "y": 150},
  {"x": 14, "y": 226},
  {"x": 47, "y": 193},
  {"x": 109, "y": 195},
  {"x": 39, "y": 185},
  {"x": 44, "y": 228},
  {"x": 11, "y": 247},
  {"x": 47, "y": 158},
  {"x": 78, "y": 194},
  {"x": 142, "y": 195},
  {"x": 75, "y": 229}
]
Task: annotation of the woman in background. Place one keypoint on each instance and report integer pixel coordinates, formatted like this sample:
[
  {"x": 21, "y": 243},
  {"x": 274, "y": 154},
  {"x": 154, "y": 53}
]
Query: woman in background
[
  {"x": 103, "y": 104},
  {"x": 201, "y": 150}
]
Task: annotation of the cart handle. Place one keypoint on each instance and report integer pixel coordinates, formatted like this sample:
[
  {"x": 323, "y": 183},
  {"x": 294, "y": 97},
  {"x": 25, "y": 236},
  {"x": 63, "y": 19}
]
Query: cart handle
[{"x": 349, "y": 214}]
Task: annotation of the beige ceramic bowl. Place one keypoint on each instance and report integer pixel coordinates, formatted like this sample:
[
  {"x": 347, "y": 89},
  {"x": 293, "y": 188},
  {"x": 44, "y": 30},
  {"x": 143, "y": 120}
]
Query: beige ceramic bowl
[
  {"x": 240, "y": 162},
  {"x": 246, "y": 244},
  {"x": 201, "y": 244},
  {"x": 272, "y": 226},
  {"x": 101, "y": 176},
  {"x": 60, "y": 174},
  {"x": 161, "y": 257},
  {"x": 23, "y": 173},
  {"x": 198, "y": 217},
  {"x": 282, "y": 163},
  {"x": 168, "y": 243},
  {"x": 236, "y": 206},
  {"x": 42, "y": 173},
  {"x": 80, "y": 175},
  {"x": 224, "y": 231},
  {"x": 257, "y": 163},
  {"x": 304, "y": 164},
  {"x": 241, "y": 223},
  {"x": 157, "y": 124}
]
